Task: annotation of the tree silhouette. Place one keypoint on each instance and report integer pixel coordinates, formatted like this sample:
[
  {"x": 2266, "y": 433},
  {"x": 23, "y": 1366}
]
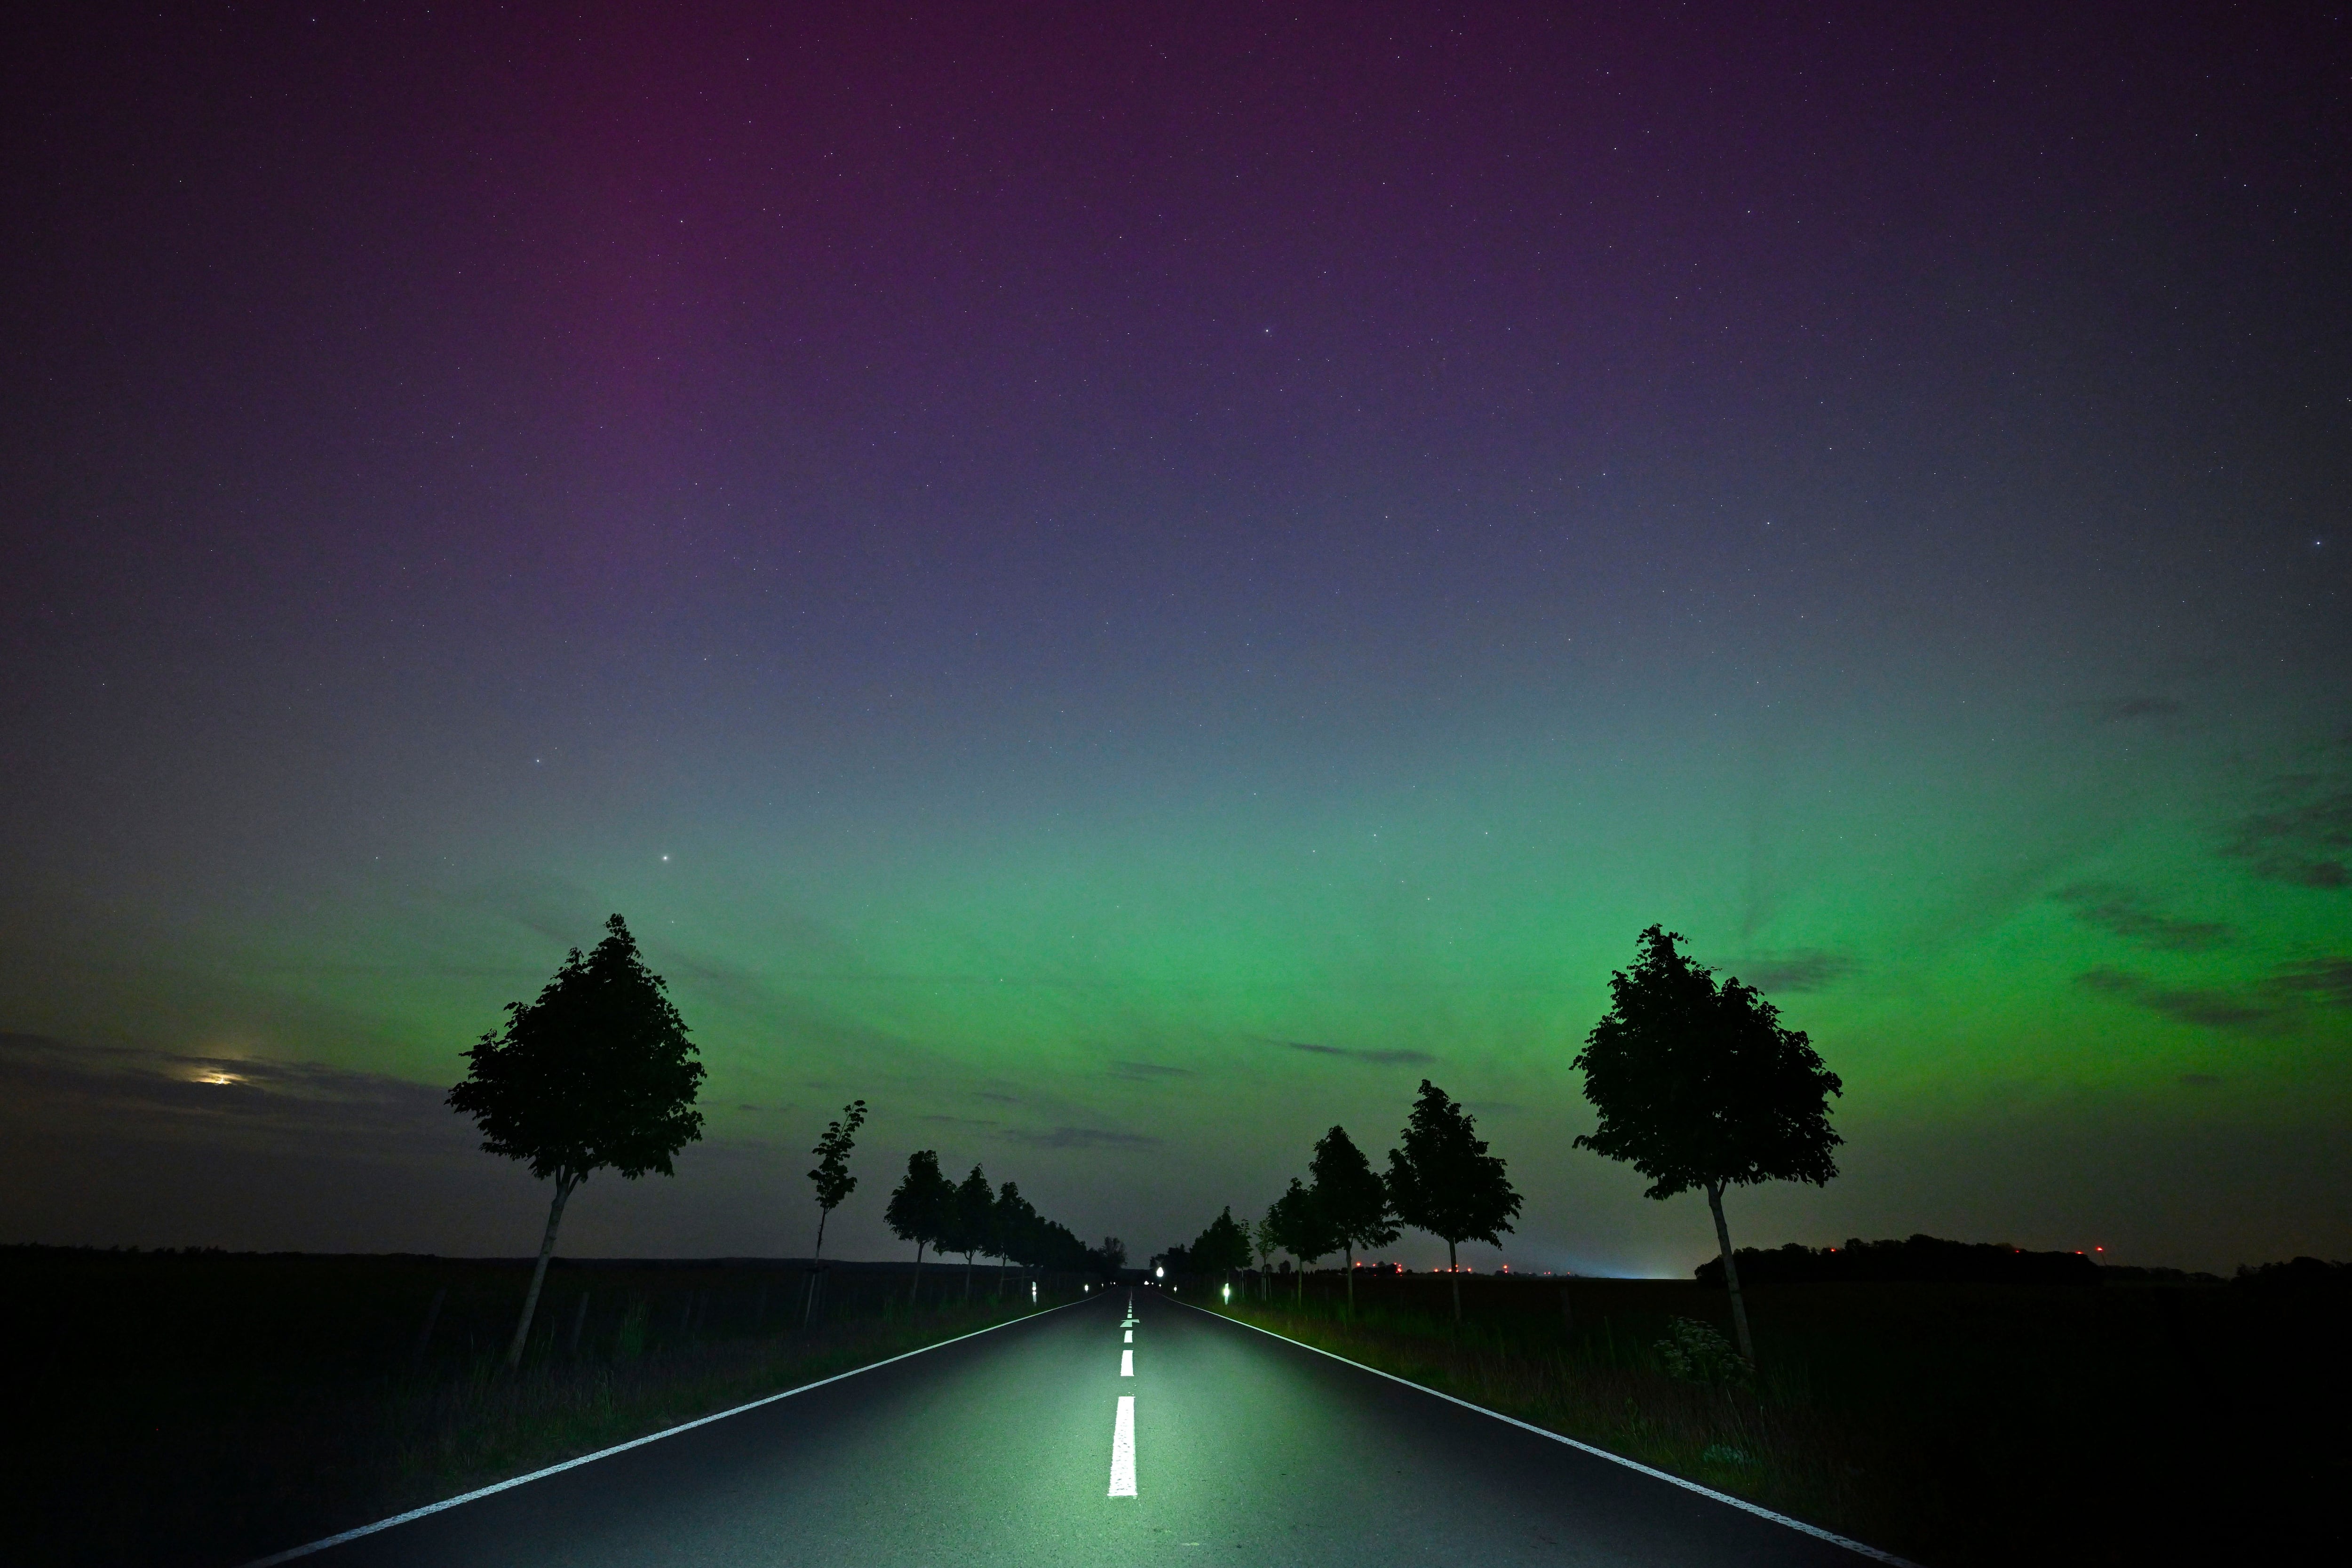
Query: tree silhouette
[
  {"x": 1265, "y": 1242},
  {"x": 596, "y": 1072},
  {"x": 1012, "y": 1225},
  {"x": 1442, "y": 1180},
  {"x": 970, "y": 1219},
  {"x": 1222, "y": 1246},
  {"x": 1699, "y": 1086},
  {"x": 1298, "y": 1228},
  {"x": 1351, "y": 1199},
  {"x": 917, "y": 1210},
  {"x": 833, "y": 1183}
]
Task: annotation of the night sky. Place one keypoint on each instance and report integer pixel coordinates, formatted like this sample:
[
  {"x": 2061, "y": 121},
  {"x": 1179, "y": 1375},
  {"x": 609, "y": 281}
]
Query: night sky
[{"x": 1127, "y": 582}]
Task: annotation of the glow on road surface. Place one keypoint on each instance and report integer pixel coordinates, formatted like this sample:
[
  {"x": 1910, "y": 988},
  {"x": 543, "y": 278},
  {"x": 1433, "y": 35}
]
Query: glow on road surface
[
  {"x": 1122, "y": 1450},
  {"x": 1126, "y": 1364}
]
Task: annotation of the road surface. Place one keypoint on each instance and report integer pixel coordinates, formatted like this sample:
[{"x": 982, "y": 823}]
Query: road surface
[{"x": 1079, "y": 1438}]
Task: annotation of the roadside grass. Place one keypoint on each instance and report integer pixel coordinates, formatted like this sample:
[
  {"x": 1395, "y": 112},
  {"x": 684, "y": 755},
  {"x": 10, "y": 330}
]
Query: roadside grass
[
  {"x": 208, "y": 1409},
  {"x": 1952, "y": 1425}
]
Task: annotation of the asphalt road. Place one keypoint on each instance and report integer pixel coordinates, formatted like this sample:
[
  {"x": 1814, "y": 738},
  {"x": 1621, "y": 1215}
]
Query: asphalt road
[{"x": 1002, "y": 1449}]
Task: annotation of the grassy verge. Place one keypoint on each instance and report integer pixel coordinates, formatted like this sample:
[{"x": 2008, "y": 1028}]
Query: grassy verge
[
  {"x": 208, "y": 1410},
  {"x": 1953, "y": 1425},
  {"x": 460, "y": 1433},
  {"x": 1767, "y": 1443}
]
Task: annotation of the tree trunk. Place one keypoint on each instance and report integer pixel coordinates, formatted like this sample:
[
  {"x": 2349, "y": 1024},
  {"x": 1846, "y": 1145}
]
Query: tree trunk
[
  {"x": 564, "y": 1181},
  {"x": 1349, "y": 1254},
  {"x": 808, "y": 1314},
  {"x": 915, "y": 1291},
  {"x": 1302, "y": 1284},
  {"x": 1453, "y": 1274},
  {"x": 967, "y": 1279},
  {"x": 1730, "y": 1273}
]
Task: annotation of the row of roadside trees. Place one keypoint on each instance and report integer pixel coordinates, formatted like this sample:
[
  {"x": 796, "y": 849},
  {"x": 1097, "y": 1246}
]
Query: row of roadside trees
[
  {"x": 598, "y": 1073},
  {"x": 1697, "y": 1084},
  {"x": 1440, "y": 1179},
  {"x": 974, "y": 1220}
]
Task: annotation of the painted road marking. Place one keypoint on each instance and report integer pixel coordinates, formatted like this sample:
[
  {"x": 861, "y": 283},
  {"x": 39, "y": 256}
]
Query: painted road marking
[
  {"x": 1122, "y": 1448},
  {"x": 1126, "y": 1364},
  {"x": 1129, "y": 1339}
]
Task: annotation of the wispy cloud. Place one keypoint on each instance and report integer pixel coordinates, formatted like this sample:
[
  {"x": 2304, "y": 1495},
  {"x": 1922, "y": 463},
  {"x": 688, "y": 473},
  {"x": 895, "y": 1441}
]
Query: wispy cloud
[
  {"x": 2190, "y": 1004},
  {"x": 230, "y": 1100},
  {"x": 1803, "y": 968},
  {"x": 2134, "y": 917},
  {"x": 2124, "y": 708},
  {"x": 2327, "y": 980},
  {"x": 2303, "y": 836},
  {"x": 1078, "y": 1138},
  {"x": 1377, "y": 1059}
]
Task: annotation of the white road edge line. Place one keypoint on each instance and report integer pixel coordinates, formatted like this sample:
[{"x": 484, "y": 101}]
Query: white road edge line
[
  {"x": 1122, "y": 1448},
  {"x": 323, "y": 1543},
  {"x": 1126, "y": 1364},
  {"x": 1815, "y": 1530}
]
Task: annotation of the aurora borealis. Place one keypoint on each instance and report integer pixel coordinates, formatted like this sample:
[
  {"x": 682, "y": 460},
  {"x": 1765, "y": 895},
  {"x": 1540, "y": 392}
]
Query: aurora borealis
[{"x": 1126, "y": 584}]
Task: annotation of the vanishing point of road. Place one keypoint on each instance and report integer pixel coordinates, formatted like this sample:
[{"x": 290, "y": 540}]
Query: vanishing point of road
[{"x": 1127, "y": 1429}]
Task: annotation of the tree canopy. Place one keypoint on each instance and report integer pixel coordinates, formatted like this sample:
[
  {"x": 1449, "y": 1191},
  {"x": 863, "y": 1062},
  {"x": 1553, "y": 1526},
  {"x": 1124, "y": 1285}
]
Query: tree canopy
[
  {"x": 1442, "y": 1180},
  {"x": 596, "y": 1073},
  {"x": 1698, "y": 1085},
  {"x": 1222, "y": 1246},
  {"x": 831, "y": 1178},
  {"x": 1297, "y": 1225}
]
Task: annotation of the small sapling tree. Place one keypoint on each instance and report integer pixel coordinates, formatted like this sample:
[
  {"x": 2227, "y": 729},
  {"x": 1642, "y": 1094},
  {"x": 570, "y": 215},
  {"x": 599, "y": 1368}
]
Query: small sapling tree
[
  {"x": 1352, "y": 1200},
  {"x": 917, "y": 1210},
  {"x": 833, "y": 1183},
  {"x": 1442, "y": 1181},
  {"x": 597, "y": 1072},
  {"x": 1698, "y": 1085}
]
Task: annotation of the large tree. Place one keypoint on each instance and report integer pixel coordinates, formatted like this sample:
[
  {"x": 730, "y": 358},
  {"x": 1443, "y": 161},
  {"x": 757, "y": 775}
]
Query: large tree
[
  {"x": 1698, "y": 1085},
  {"x": 970, "y": 1220},
  {"x": 1296, "y": 1226},
  {"x": 832, "y": 1180},
  {"x": 1265, "y": 1238},
  {"x": 1352, "y": 1200},
  {"x": 1014, "y": 1224},
  {"x": 597, "y": 1072},
  {"x": 1442, "y": 1180},
  {"x": 1222, "y": 1246},
  {"x": 918, "y": 1207}
]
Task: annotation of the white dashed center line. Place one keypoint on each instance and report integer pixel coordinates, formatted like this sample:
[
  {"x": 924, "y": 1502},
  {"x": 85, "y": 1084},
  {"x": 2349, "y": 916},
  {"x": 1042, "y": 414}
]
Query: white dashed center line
[
  {"x": 1126, "y": 1364},
  {"x": 1122, "y": 1450},
  {"x": 1131, "y": 1337}
]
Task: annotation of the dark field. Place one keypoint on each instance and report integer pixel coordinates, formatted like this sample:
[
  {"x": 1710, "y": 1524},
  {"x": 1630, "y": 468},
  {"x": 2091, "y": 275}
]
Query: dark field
[
  {"x": 208, "y": 1408},
  {"x": 1951, "y": 1424}
]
